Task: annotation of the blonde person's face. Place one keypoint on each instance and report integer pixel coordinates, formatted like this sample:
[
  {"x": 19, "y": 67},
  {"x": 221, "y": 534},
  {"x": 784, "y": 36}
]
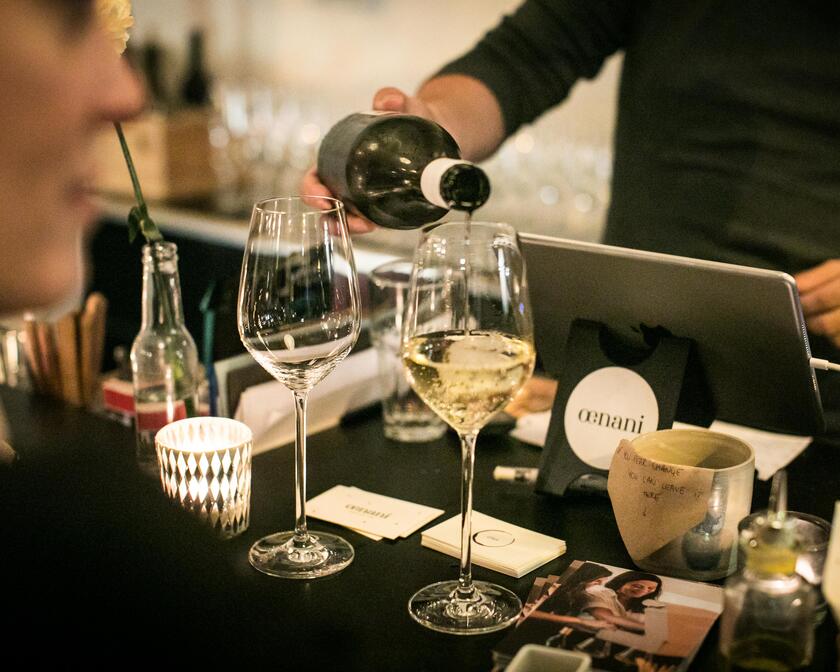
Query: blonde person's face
[{"x": 60, "y": 82}]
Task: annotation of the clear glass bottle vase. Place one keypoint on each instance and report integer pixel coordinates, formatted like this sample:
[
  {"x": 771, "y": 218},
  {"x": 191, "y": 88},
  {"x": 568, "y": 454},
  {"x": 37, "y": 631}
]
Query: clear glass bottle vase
[
  {"x": 768, "y": 621},
  {"x": 164, "y": 359},
  {"x": 768, "y": 613}
]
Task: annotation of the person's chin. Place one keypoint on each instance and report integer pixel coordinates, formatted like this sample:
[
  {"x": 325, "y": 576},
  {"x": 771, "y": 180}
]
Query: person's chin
[
  {"x": 82, "y": 209},
  {"x": 49, "y": 298},
  {"x": 61, "y": 290}
]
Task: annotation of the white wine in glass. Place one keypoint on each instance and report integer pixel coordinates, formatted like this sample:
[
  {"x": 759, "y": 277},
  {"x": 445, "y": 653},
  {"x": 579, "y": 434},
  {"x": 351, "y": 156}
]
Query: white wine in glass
[
  {"x": 467, "y": 348},
  {"x": 299, "y": 317}
]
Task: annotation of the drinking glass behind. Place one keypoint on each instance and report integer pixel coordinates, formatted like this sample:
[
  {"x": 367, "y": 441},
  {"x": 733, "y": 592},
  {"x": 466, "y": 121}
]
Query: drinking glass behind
[
  {"x": 299, "y": 317},
  {"x": 405, "y": 417},
  {"x": 468, "y": 348}
]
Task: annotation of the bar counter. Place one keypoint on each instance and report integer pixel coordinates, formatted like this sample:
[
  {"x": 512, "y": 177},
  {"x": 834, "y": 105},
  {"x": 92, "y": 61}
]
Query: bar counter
[{"x": 358, "y": 619}]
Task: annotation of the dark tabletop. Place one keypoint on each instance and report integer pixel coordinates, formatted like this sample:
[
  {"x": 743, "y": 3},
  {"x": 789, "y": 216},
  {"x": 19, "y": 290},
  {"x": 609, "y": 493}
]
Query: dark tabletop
[{"x": 358, "y": 619}]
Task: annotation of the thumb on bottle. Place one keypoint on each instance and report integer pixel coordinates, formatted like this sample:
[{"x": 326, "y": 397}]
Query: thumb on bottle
[{"x": 390, "y": 99}]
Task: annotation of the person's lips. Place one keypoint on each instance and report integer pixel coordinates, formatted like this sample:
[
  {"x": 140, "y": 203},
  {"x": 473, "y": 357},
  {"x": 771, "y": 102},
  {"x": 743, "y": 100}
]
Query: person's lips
[{"x": 80, "y": 196}]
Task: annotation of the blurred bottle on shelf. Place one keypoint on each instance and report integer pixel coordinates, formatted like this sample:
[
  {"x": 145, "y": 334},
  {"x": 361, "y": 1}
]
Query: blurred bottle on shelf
[
  {"x": 170, "y": 142},
  {"x": 195, "y": 86},
  {"x": 152, "y": 66}
]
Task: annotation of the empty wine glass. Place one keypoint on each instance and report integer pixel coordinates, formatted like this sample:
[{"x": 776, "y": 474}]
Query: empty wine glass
[
  {"x": 467, "y": 347},
  {"x": 299, "y": 317}
]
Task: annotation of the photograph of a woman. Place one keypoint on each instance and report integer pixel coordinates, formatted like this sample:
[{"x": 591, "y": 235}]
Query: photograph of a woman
[
  {"x": 621, "y": 601},
  {"x": 626, "y": 620}
]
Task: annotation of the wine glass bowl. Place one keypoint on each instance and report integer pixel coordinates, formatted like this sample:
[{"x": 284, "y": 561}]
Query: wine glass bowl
[
  {"x": 466, "y": 377},
  {"x": 467, "y": 348},
  {"x": 299, "y": 316}
]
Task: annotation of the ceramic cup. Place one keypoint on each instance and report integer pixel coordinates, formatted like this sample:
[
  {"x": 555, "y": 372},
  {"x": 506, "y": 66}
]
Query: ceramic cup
[{"x": 680, "y": 500}]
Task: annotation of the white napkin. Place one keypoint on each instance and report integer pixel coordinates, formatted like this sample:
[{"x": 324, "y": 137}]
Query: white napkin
[
  {"x": 269, "y": 410},
  {"x": 831, "y": 573},
  {"x": 532, "y": 428},
  {"x": 773, "y": 451}
]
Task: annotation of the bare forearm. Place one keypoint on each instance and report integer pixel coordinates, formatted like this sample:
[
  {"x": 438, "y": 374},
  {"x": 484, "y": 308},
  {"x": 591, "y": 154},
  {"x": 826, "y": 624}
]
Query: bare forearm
[
  {"x": 606, "y": 615},
  {"x": 466, "y": 108},
  {"x": 588, "y": 623}
]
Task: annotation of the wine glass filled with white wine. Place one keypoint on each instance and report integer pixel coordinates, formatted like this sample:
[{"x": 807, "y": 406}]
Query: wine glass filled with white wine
[
  {"x": 299, "y": 317},
  {"x": 467, "y": 347}
]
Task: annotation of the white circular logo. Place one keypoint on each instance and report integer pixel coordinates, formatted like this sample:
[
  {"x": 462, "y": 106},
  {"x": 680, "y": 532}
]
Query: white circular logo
[
  {"x": 608, "y": 405},
  {"x": 493, "y": 538}
]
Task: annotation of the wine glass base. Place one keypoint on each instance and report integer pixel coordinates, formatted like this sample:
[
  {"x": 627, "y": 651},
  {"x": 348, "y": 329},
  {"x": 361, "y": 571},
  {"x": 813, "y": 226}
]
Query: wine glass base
[
  {"x": 490, "y": 608},
  {"x": 280, "y": 555}
]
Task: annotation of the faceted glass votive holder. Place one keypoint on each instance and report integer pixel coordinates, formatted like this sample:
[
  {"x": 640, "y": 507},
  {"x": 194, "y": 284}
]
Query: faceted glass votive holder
[{"x": 205, "y": 465}]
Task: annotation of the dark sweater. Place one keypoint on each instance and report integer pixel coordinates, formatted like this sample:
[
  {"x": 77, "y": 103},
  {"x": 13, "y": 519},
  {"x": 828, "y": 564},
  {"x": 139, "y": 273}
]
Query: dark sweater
[{"x": 727, "y": 143}]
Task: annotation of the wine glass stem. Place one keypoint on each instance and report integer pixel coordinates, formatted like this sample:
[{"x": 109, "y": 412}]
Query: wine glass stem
[
  {"x": 301, "y": 533},
  {"x": 465, "y": 586}
]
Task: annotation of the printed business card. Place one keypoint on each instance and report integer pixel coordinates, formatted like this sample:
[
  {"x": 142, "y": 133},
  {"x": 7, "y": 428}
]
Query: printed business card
[
  {"x": 496, "y": 545},
  {"x": 370, "y": 513}
]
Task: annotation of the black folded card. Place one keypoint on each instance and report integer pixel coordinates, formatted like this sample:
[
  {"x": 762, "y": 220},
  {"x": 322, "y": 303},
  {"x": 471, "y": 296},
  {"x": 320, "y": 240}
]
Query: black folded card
[{"x": 609, "y": 389}]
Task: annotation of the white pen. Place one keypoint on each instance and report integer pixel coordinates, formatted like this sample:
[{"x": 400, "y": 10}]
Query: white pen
[{"x": 518, "y": 474}]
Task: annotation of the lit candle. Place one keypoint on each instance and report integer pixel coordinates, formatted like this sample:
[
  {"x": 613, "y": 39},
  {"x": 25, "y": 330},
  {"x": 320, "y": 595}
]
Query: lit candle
[{"x": 205, "y": 465}]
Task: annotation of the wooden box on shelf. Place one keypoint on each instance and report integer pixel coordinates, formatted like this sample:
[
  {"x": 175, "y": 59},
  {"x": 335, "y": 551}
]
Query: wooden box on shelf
[{"x": 171, "y": 153}]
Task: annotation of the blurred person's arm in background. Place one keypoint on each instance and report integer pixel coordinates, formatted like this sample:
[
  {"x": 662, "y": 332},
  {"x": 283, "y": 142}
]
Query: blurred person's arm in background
[
  {"x": 526, "y": 65},
  {"x": 463, "y": 105}
]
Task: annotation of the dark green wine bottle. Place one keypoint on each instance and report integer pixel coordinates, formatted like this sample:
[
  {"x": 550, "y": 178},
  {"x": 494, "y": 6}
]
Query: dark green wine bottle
[
  {"x": 398, "y": 170},
  {"x": 195, "y": 88}
]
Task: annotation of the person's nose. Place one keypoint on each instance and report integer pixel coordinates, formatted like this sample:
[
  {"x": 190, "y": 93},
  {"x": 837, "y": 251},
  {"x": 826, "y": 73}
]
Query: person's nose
[{"x": 125, "y": 97}]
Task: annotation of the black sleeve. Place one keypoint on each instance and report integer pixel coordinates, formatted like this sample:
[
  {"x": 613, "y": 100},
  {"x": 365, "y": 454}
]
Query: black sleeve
[{"x": 533, "y": 57}]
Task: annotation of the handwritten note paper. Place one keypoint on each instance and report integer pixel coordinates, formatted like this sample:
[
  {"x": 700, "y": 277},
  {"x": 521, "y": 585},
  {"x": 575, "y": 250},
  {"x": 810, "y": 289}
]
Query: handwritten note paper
[{"x": 655, "y": 502}]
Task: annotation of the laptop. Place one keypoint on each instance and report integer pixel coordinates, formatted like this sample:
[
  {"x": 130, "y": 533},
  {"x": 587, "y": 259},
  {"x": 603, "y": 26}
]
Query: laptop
[{"x": 746, "y": 323}]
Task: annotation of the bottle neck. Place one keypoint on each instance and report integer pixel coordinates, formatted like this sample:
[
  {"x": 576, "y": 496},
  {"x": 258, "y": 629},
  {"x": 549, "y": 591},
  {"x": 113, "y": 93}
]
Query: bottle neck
[
  {"x": 196, "y": 57},
  {"x": 454, "y": 184},
  {"x": 772, "y": 584},
  {"x": 771, "y": 565},
  {"x": 770, "y": 546},
  {"x": 162, "y": 307},
  {"x": 152, "y": 72},
  {"x": 195, "y": 89}
]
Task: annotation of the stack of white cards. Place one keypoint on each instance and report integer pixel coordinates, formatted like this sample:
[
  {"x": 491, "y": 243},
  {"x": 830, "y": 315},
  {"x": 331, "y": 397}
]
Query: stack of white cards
[
  {"x": 374, "y": 516},
  {"x": 496, "y": 545}
]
